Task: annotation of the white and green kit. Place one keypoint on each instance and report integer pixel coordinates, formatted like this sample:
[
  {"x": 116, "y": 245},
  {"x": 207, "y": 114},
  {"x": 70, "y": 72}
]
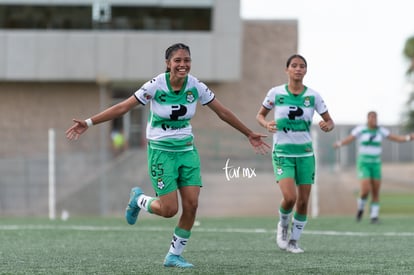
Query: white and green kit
[
  {"x": 169, "y": 130},
  {"x": 292, "y": 141},
  {"x": 369, "y": 144}
]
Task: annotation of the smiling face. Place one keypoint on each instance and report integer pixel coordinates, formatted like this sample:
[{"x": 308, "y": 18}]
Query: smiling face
[
  {"x": 179, "y": 63},
  {"x": 296, "y": 69}
]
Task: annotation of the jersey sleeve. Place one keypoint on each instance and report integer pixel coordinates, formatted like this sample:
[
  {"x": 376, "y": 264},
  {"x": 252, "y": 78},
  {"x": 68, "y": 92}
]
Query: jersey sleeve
[
  {"x": 384, "y": 131},
  {"x": 146, "y": 92},
  {"x": 356, "y": 131},
  {"x": 206, "y": 95},
  {"x": 269, "y": 101},
  {"x": 320, "y": 105}
]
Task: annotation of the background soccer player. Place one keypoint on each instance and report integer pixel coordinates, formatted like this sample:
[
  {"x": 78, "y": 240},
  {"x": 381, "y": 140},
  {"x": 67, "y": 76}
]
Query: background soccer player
[
  {"x": 369, "y": 138},
  {"x": 294, "y": 105}
]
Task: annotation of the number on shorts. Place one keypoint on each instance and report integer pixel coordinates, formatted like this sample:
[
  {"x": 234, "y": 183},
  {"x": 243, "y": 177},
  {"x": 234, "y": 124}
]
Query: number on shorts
[{"x": 157, "y": 170}]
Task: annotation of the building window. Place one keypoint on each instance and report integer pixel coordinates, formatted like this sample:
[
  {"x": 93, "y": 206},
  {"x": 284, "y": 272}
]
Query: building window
[
  {"x": 87, "y": 17},
  {"x": 45, "y": 17},
  {"x": 156, "y": 18}
]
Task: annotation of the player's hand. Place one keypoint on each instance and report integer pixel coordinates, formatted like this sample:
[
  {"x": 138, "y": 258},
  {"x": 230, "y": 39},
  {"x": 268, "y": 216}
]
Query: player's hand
[
  {"x": 337, "y": 144},
  {"x": 76, "y": 130},
  {"x": 258, "y": 144},
  {"x": 271, "y": 126},
  {"x": 324, "y": 126}
]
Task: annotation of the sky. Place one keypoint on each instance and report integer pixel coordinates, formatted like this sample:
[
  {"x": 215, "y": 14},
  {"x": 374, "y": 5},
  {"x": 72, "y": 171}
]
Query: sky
[{"x": 354, "y": 51}]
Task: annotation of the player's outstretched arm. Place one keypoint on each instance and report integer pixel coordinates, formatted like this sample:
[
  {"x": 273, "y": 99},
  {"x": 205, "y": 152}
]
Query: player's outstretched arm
[
  {"x": 77, "y": 129},
  {"x": 228, "y": 116},
  {"x": 343, "y": 142},
  {"x": 117, "y": 110},
  {"x": 400, "y": 138},
  {"x": 258, "y": 144}
]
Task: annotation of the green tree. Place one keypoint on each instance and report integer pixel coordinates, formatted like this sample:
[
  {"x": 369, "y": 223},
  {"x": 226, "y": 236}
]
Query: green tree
[{"x": 409, "y": 113}]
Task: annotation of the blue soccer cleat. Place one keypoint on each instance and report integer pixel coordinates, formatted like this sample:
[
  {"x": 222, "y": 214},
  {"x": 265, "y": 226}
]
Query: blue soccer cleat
[
  {"x": 172, "y": 260},
  {"x": 132, "y": 210}
]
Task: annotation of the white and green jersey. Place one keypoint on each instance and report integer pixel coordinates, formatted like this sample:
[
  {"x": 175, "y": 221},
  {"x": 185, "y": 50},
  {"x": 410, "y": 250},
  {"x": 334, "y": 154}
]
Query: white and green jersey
[
  {"x": 369, "y": 142},
  {"x": 168, "y": 126},
  {"x": 293, "y": 115}
]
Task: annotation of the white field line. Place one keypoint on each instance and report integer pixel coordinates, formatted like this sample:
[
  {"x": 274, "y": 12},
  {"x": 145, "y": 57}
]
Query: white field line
[{"x": 12, "y": 227}]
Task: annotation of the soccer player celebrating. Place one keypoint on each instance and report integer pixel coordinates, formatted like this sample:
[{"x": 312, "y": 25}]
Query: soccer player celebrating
[
  {"x": 294, "y": 105},
  {"x": 173, "y": 161},
  {"x": 369, "y": 138}
]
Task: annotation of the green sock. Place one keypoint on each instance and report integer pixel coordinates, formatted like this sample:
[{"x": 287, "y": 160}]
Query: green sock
[{"x": 284, "y": 216}]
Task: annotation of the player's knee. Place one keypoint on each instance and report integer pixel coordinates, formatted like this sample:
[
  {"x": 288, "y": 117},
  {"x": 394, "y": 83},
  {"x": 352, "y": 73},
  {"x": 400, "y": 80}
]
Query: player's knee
[
  {"x": 301, "y": 206},
  {"x": 290, "y": 201},
  {"x": 169, "y": 211},
  {"x": 190, "y": 205}
]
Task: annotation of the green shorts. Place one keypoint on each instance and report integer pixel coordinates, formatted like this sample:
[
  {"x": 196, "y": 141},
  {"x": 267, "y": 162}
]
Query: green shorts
[
  {"x": 302, "y": 169},
  {"x": 369, "y": 170},
  {"x": 169, "y": 171}
]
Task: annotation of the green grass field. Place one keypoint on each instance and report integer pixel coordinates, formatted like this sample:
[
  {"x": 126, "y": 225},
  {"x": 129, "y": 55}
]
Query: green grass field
[{"x": 333, "y": 245}]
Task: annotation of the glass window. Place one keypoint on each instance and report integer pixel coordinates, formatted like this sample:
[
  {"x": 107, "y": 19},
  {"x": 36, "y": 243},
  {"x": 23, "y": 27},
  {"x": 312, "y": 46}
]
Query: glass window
[
  {"x": 106, "y": 17},
  {"x": 45, "y": 17}
]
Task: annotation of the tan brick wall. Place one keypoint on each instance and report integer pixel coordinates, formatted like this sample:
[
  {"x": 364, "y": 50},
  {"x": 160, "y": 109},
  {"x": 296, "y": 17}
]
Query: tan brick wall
[{"x": 28, "y": 110}]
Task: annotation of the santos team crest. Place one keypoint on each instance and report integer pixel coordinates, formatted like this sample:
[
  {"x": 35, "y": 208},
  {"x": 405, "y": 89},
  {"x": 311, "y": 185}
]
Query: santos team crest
[
  {"x": 279, "y": 171},
  {"x": 190, "y": 97},
  {"x": 306, "y": 102},
  {"x": 160, "y": 183}
]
